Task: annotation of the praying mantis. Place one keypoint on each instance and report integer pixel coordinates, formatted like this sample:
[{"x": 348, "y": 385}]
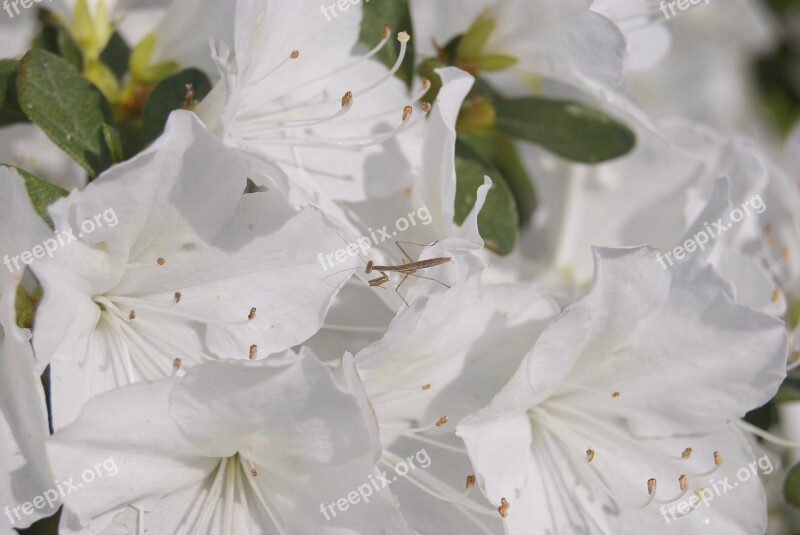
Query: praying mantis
[{"x": 409, "y": 268}]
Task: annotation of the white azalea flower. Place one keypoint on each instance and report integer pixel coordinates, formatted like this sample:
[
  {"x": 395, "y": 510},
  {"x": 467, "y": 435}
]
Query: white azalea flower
[
  {"x": 302, "y": 100},
  {"x": 728, "y": 35},
  {"x": 229, "y": 448},
  {"x": 623, "y": 408},
  {"x": 23, "y": 424},
  {"x": 547, "y": 38},
  {"x": 187, "y": 268},
  {"x": 440, "y": 359},
  {"x": 781, "y": 223}
]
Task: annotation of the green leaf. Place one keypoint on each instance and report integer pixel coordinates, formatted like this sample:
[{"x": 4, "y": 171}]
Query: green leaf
[
  {"x": 169, "y": 95},
  {"x": 41, "y": 193},
  {"x": 495, "y": 62},
  {"x": 567, "y": 128},
  {"x": 113, "y": 142},
  {"x": 397, "y": 15},
  {"x": 498, "y": 222},
  {"x": 69, "y": 109},
  {"x": 140, "y": 62},
  {"x": 791, "y": 487},
  {"x": 117, "y": 56},
  {"x": 69, "y": 49},
  {"x": 499, "y": 151},
  {"x": 472, "y": 42},
  {"x": 10, "y": 111}
]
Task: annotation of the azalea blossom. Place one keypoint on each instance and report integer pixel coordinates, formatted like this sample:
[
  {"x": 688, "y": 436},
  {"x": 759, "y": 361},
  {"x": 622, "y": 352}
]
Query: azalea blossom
[
  {"x": 440, "y": 359},
  {"x": 228, "y": 448},
  {"x": 543, "y": 38},
  {"x": 193, "y": 270},
  {"x": 612, "y": 418},
  {"x": 303, "y": 101},
  {"x": 23, "y": 424}
]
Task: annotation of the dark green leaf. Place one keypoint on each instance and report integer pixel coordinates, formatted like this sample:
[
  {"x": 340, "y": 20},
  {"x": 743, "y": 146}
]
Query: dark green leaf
[
  {"x": 68, "y": 108},
  {"x": 498, "y": 222},
  {"x": 117, "y": 55},
  {"x": 69, "y": 49},
  {"x": 396, "y": 14},
  {"x": 791, "y": 487},
  {"x": 569, "y": 129},
  {"x": 171, "y": 94},
  {"x": 10, "y": 111},
  {"x": 499, "y": 151},
  {"x": 41, "y": 192}
]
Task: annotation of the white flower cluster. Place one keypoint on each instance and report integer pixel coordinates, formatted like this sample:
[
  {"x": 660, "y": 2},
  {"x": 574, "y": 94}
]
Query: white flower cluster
[{"x": 243, "y": 386}]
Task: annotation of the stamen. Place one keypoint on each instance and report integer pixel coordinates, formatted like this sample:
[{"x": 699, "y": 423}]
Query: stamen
[
  {"x": 293, "y": 55},
  {"x": 504, "y": 506}
]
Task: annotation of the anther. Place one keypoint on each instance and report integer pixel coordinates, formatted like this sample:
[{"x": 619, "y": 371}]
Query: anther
[
  {"x": 160, "y": 261},
  {"x": 177, "y": 297},
  {"x": 347, "y": 99},
  {"x": 426, "y": 84},
  {"x": 132, "y": 315},
  {"x": 615, "y": 395},
  {"x": 252, "y": 313},
  {"x": 176, "y": 364},
  {"x": 253, "y": 472},
  {"x": 407, "y": 111},
  {"x": 386, "y": 31},
  {"x": 441, "y": 421},
  {"x": 426, "y": 107},
  {"x": 470, "y": 481},
  {"x": 426, "y": 387},
  {"x": 687, "y": 453},
  {"x": 503, "y": 509},
  {"x": 683, "y": 482},
  {"x": 651, "y": 486},
  {"x": 253, "y": 350},
  {"x": 295, "y": 54},
  {"x": 717, "y": 458},
  {"x": 590, "y": 455},
  {"x": 776, "y": 295}
]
